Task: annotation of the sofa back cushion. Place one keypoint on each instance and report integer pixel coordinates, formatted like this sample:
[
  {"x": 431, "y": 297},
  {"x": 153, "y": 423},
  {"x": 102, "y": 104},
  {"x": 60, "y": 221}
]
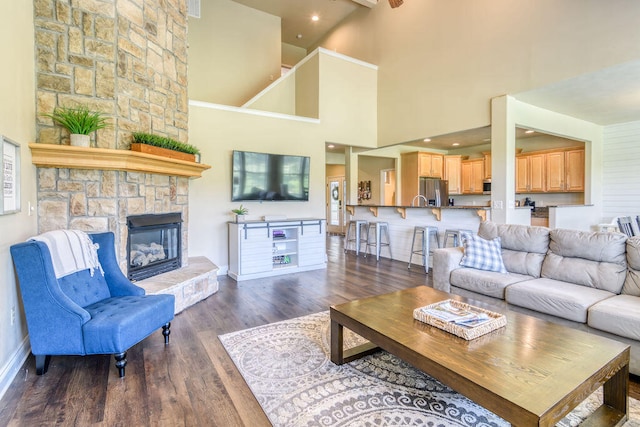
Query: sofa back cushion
[
  {"x": 523, "y": 247},
  {"x": 84, "y": 289},
  {"x": 594, "y": 259},
  {"x": 632, "y": 281}
]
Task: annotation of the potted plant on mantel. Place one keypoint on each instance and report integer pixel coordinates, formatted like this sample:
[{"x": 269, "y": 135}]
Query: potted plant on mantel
[
  {"x": 163, "y": 146},
  {"x": 80, "y": 122}
]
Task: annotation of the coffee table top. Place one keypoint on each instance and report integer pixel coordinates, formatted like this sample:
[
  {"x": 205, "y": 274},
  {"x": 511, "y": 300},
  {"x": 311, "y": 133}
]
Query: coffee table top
[{"x": 529, "y": 368}]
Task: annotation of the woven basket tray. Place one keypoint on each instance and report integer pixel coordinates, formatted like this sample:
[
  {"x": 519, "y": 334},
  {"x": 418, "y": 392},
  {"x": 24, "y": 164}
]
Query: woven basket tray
[{"x": 496, "y": 321}]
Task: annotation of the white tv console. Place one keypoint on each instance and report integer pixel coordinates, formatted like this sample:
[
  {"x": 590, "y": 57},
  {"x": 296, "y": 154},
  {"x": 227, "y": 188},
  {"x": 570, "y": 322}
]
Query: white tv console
[{"x": 269, "y": 248}]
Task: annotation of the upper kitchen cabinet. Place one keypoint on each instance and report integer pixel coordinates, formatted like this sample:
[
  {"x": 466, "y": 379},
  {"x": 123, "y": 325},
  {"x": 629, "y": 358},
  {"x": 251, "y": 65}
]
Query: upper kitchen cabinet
[
  {"x": 550, "y": 171},
  {"x": 530, "y": 173},
  {"x": 472, "y": 176},
  {"x": 453, "y": 173},
  {"x": 565, "y": 170},
  {"x": 430, "y": 165},
  {"x": 415, "y": 165},
  {"x": 487, "y": 164}
]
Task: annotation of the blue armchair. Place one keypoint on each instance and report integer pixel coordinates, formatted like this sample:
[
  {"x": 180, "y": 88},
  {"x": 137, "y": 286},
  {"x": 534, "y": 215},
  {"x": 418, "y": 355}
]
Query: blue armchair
[{"x": 84, "y": 313}]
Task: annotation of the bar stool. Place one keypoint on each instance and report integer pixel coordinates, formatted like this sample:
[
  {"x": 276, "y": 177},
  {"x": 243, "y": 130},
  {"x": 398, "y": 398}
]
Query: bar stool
[
  {"x": 378, "y": 227},
  {"x": 456, "y": 235},
  {"x": 426, "y": 233},
  {"x": 359, "y": 227}
]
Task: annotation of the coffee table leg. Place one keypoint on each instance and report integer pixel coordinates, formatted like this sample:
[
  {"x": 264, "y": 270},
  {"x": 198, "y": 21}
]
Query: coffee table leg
[
  {"x": 616, "y": 391},
  {"x": 337, "y": 349}
]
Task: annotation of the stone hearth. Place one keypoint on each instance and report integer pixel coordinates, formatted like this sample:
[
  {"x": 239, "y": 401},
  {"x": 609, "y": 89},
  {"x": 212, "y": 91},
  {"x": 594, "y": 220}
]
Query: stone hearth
[{"x": 189, "y": 284}]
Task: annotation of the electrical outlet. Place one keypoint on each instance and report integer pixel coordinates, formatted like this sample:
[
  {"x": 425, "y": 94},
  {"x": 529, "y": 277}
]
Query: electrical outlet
[
  {"x": 497, "y": 204},
  {"x": 13, "y": 315}
]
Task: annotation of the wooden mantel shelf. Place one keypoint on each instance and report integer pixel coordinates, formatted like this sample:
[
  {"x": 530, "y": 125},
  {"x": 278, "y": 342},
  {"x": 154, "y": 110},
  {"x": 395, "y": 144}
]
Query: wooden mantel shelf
[{"x": 66, "y": 156}]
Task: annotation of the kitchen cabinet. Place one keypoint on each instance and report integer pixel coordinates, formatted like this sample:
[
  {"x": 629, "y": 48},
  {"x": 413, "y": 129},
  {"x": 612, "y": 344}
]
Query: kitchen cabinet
[
  {"x": 486, "y": 155},
  {"x": 472, "y": 176},
  {"x": 415, "y": 165},
  {"x": 565, "y": 171},
  {"x": 530, "y": 173},
  {"x": 453, "y": 173},
  {"x": 430, "y": 165}
]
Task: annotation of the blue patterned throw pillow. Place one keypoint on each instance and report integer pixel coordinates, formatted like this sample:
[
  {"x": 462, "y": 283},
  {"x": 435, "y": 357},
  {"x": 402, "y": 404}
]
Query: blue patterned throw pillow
[{"x": 482, "y": 254}]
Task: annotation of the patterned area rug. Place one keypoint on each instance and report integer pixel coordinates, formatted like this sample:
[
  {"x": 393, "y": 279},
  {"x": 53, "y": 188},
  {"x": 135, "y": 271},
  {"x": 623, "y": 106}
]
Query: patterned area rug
[{"x": 287, "y": 367}]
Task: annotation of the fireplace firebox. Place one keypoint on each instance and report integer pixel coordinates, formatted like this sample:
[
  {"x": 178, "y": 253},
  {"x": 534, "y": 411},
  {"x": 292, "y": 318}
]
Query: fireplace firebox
[{"x": 153, "y": 245}]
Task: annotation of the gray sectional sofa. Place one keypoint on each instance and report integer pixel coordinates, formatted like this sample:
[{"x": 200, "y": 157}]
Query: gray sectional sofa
[{"x": 586, "y": 280}]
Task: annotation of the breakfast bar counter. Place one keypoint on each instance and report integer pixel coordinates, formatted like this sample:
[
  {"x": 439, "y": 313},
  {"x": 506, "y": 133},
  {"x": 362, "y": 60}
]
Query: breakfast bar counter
[{"x": 403, "y": 219}]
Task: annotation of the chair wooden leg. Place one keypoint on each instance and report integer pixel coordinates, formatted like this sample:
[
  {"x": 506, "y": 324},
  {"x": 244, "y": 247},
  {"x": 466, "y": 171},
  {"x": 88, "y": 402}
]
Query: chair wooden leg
[
  {"x": 121, "y": 362},
  {"x": 166, "y": 331},
  {"x": 42, "y": 363}
]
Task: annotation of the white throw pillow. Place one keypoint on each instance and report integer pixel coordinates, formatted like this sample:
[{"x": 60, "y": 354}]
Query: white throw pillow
[{"x": 482, "y": 254}]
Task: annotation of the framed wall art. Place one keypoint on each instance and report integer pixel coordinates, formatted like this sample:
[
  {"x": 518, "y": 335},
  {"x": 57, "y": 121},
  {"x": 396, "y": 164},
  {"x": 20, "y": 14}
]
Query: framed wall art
[{"x": 10, "y": 177}]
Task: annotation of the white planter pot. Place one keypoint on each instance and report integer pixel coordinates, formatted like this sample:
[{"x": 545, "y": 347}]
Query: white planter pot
[{"x": 78, "y": 140}]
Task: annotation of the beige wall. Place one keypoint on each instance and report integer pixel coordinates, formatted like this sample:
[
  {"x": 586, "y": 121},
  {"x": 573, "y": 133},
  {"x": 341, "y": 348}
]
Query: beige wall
[
  {"x": 17, "y": 122},
  {"x": 440, "y": 62},
  {"x": 217, "y": 132},
  {"x": 234, "y": 52},
  {"x": 369, "y": 170},
  {"x": 291, "y": 54}
]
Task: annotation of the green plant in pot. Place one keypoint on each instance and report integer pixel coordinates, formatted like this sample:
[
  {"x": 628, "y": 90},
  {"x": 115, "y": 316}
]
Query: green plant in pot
[
  {"x": 80, "y": 122},
  {"x": 240, "y": 212},
  {"x": 163, "y": 142}
]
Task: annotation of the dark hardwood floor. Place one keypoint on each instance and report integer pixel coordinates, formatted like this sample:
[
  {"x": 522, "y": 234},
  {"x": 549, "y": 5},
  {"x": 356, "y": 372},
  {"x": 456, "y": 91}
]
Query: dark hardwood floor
[{"x": 192, "y": 382}]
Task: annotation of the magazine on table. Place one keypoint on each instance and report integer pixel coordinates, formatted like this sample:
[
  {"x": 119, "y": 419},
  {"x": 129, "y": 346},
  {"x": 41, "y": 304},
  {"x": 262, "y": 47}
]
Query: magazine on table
[{"x": 460, "y": 316}]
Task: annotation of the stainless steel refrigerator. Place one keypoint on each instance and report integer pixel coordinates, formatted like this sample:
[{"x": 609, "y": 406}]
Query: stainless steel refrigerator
[{"x": 435, "y": 192}]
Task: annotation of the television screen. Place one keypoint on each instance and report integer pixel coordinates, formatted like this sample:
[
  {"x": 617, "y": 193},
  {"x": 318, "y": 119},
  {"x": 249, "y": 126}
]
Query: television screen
[{"x": 261, "y": 176}]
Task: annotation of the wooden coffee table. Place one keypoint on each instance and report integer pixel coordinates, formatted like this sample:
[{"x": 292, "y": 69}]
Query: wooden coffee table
[{"x": 531, "y": 372}]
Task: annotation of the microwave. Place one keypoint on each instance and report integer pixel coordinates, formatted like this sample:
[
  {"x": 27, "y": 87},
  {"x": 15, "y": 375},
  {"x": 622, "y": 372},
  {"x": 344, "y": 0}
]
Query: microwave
[{"x": 486, "y": 186}]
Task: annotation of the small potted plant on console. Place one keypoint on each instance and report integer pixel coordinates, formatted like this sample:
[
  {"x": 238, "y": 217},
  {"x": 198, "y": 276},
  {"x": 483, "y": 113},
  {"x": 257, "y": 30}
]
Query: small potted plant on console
[{"x": 240, "y": 213}]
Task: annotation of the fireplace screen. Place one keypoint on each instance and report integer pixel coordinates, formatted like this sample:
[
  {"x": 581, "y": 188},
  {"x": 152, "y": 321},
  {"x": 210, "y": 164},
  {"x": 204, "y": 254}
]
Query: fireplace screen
[{"x": 154, "y": 244}]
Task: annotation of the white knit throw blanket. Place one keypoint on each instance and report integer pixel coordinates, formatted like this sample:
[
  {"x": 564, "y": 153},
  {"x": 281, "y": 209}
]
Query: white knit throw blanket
[{"x": 71, "y": 251}]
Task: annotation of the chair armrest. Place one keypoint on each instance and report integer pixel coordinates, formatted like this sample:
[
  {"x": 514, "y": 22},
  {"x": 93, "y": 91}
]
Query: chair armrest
[
  {"x": 118, "y": 283},
  {"x": 53, "y": 319},
  {"x": 445, "y": 260}
]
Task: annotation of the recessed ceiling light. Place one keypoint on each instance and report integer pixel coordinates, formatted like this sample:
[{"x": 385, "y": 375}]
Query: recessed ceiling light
[
  {"x": 530, "y": 131},
  {"x": 299, "y": 36},
  {"x": 455, "y": 144},
  {"x": 331, "y": 146},
  {"x": 427, "y": 140},
  {"x": 315, "y": 18},
  {"x": 486, "y": 140}
]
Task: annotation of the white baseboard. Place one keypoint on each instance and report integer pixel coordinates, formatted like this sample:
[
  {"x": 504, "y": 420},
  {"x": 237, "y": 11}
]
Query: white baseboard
[{"x": 11, "y": 369}]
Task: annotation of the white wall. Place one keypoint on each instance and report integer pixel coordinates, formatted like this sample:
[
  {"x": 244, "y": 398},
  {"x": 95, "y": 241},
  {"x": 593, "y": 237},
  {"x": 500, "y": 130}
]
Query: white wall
[
  {"x": 17, "y": 122},
  {"x": 620, "y": 163}
]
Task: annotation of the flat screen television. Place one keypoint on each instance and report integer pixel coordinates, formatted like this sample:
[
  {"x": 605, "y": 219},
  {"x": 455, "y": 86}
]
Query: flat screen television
[{"x": 262, "y": 176}]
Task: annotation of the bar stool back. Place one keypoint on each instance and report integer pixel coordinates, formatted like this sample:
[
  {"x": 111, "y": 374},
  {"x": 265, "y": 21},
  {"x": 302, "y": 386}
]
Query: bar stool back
[
  {"x": 426, "y": 234},
  {"x": 456, "y": 235},
  {"x": 380, "y": 229}
]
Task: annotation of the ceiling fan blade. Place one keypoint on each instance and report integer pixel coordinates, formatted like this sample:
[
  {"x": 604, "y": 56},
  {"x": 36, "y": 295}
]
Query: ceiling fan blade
[{"x": 395, "y": 3}]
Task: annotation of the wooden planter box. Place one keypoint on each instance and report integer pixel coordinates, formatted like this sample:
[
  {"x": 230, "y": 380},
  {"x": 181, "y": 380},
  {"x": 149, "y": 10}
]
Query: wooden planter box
[{"x": 151, "y": 149}]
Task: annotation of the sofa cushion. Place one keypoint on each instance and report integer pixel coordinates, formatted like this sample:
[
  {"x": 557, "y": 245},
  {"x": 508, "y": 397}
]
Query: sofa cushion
[
  {"x": 619, "y": 315},
  {"x": 561, "y": 299},
  {"x": 632, "y": 281},
  {"x": 84, "y": 289},
  {"x": 482, "y": 254},
  {"x": 523, "y": 247},
  {"x": 593, "y": 259},
  {"x": 483, "y": 282}
]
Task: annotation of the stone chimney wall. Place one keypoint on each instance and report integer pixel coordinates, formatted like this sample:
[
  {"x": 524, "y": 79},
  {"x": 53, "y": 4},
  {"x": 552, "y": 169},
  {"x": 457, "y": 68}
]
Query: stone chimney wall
[{"x": 128, "y": 59}]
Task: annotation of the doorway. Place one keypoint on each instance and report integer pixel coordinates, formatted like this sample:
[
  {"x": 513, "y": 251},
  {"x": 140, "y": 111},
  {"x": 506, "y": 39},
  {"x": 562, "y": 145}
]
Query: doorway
[
  {"x": 336, "y": 188},
  {"x": 388, "y": 187}
]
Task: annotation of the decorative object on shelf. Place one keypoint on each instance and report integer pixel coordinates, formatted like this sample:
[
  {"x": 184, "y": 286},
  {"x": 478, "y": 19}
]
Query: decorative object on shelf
[
  {"x": 240, "y": 213},
  {"x": 364, "y": 191},
  {"x": 80, "y": 122},
  {"x": 163, "y": 146}
]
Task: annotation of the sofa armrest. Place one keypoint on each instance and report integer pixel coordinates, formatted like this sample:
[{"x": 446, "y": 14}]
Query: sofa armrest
[
  {"x": 445, "y": 260},
  {"x": 118, "y": 283}
]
